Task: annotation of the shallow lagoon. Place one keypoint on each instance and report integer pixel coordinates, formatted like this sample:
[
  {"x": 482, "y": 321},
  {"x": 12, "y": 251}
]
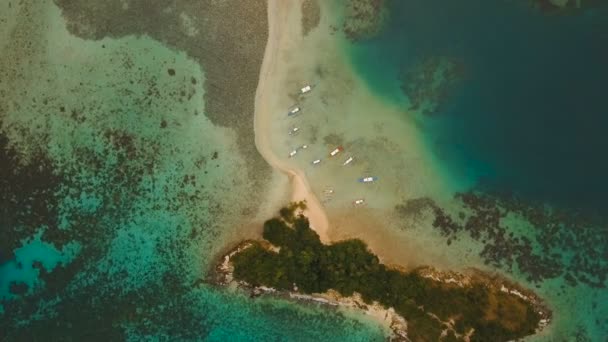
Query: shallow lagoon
[
  {"x": 147, "y": 186},
  {"x": 160, "y": 215}
]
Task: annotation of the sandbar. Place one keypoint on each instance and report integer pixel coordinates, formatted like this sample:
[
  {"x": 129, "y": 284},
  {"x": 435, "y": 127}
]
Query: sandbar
[{"x": 280, "y": 31}]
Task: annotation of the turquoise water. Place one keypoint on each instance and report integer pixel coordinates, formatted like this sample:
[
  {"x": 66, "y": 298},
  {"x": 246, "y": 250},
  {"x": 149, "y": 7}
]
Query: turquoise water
[
  {"x": 510, "y": 102},
  {"x": 20, "y": 269},
  {"x": 523, "y": 109},
  {"x": 123, "y": 190},
  {"x": 118, "y": 184}
]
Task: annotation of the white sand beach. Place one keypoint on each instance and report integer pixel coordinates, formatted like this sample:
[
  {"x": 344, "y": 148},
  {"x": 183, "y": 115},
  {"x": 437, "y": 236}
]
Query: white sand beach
[{"x": 280, "y": 14}]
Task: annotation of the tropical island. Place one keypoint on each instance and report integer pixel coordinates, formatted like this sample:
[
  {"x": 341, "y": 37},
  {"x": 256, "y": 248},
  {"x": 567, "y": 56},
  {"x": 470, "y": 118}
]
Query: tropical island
[{"x": 476, "y": 308}]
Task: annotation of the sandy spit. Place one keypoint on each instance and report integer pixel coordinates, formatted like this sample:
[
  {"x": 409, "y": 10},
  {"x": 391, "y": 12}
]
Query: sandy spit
[{"x": 282, "y": 30}]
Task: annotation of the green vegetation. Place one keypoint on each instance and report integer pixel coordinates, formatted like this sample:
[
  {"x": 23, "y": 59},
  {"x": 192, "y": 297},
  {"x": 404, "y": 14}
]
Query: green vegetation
[{"x": 349, "y": 267}]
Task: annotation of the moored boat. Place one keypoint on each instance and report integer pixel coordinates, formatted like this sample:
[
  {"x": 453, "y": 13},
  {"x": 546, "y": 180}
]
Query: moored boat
[
  {"x": 336, "y": 151},
  {"x": 293, "y": 111},
  {"x": 359, "y": 202},
  {"x": 305, "y": 89},
  {"x": 294, "y": 152}
]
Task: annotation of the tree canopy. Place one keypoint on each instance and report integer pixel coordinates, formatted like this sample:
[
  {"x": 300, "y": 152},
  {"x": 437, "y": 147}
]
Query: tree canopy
[{"x": 348, "y": 266}]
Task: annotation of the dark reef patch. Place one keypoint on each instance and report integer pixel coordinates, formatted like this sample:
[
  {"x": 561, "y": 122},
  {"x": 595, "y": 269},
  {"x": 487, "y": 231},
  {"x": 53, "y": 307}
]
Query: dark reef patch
[
  {"x": 333, "y": 139},
  {"x": 28, "y": 201},
  {"x": 414, "y": 208},
  {"x": 18, "y": 288},
  {"x": 311, "y": 15},
  {"x": 120, "y": 170},
  {"x": 560, "y": 243},
  {"x": 364, "y": 19},
  {"x": 429, "y": 83},
  {"x": 82, "y": 313},
  {"x": 231, "y": 58}
]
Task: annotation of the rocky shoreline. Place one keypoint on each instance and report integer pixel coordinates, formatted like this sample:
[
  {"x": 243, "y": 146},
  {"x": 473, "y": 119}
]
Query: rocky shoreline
[
  {"x": 496, "y": 282},
  {"x": 223, "y": 276}
]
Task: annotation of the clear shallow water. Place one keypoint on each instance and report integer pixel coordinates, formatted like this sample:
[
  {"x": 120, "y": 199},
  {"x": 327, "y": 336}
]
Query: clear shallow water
[
  {"x": 21, "y": 270},
  {"x": 148, "y": 188},
  {"x": 155, "y": 234},
  {"x": 525, "y": 111}
]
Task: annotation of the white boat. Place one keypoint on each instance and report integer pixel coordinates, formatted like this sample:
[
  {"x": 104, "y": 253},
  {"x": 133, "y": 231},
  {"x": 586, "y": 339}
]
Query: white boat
[
  {"x": 294, "y": 152},
  {"x": 359, "y": 202},
  {"x": 316, "y": 161},
  {"x": 368, "y": 179},
  {"x": 293, "y": 111},
  {"x": 328, "y": 191},
  {"x": 305, "y": 89},
  {"x": 348, "y": 161},
  {"x": 294, "y": 131},
  {"x": 336, "y": 151}
]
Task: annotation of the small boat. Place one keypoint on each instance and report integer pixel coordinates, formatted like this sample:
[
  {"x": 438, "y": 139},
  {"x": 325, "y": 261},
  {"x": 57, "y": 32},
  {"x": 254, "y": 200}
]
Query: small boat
[
  {"x": 348, "y": 161},
  {"x": 328, "y": 192},
  {"x": 305, "y": 89},
  {"x": 293, "y": 111},
  {"x": 368, "y": 179},
  {"x": 359, "y": 202},
  {"x": 294, "y": 131},
  {"x": 336, "y": 151},
  {"x": 294, "y": 152},
  {"x": 316, "y": 161}
]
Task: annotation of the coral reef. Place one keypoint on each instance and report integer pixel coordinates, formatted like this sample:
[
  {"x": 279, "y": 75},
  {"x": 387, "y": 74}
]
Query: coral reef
[
  {"x": 364, "y": 19},
  {"x": 429, "y": 83},
  {"x": 539, "y": 253}
]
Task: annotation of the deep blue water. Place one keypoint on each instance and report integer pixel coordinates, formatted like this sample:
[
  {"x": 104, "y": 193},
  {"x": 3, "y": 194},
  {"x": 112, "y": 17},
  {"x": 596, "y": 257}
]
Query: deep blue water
[{"x": 530, "y": 111}]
